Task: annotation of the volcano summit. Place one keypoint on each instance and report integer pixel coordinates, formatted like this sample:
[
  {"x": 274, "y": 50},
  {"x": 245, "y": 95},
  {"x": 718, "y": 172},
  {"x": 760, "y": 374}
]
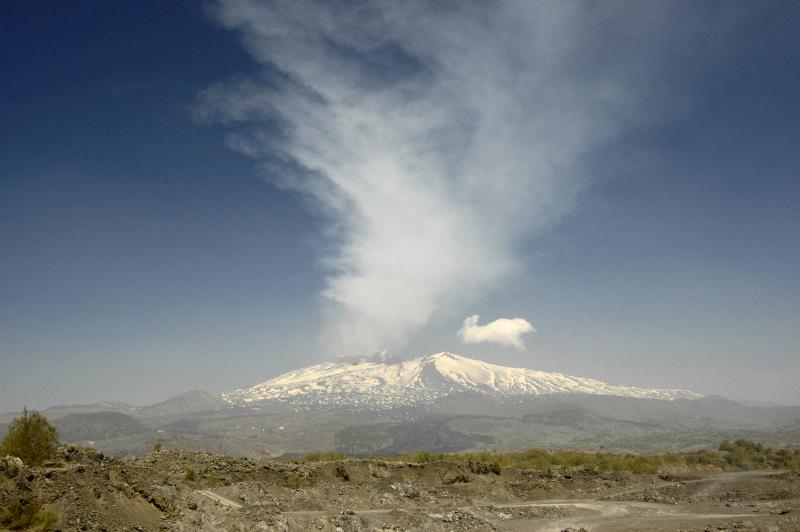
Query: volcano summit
[{"x": 421, "y": 381}]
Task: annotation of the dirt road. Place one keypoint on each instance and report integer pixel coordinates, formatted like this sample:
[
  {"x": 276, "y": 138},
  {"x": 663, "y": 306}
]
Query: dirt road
[
  {"x": 613, "y": 515},
  {"x": 611, "y": 511}
]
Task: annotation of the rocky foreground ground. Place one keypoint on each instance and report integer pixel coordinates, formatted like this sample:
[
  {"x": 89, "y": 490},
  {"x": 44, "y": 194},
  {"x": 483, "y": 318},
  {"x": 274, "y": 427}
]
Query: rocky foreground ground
[{"x": 181, "y": 490}]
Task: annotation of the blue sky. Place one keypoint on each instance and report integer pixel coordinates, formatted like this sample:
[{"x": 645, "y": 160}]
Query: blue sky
[{"x": 624, "y": 176}]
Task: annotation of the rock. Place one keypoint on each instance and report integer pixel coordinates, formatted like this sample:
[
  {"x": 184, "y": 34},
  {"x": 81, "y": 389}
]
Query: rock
[
  {"x": 456, "y": 478},
  {"x": 11, "y": 466},
  {"x": 378, "y": 471},
  {"x": 342, "y": 473},
  {"x": 479, "y": 468},
  {"x": 193, "y": 506},
  {"x": 23, "y": 484}
]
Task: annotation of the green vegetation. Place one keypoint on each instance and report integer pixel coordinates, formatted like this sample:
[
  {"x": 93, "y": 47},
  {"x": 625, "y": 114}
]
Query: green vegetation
[
  {"x": 731, "y": 456},
  {"x": 738, "y": 455},
  {"x": 21, "y": 515},
  {"x": 189, "y": 473},
  {"x": 542, "y": 459},
  {"x": 157, "y": 447},
  {"x": 323, "y": 457},
  {"x": 30, "y": 438},
  {"x": 745, "y": 454},
  {"x": 294, "y": 480}
]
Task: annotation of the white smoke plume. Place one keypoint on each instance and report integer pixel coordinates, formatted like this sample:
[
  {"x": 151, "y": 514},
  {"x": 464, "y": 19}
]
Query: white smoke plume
[
  {"x": 504, "y": 331},
  {"x": 435, "y": 137}
]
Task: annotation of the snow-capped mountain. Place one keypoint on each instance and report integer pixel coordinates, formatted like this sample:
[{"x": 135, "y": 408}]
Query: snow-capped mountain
[{"x": 421, "y": 381}]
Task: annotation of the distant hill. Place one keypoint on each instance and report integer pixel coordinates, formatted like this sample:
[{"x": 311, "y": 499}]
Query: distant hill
[
  {"x": 96, "y": 426},
  {"x": 441, "y": 403},
  {"x": 185, "y": 403},
  {"x": 56, "y": 412}
]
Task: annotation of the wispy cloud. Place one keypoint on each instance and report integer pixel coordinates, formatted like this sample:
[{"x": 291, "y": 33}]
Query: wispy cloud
[
  {"x": 434, "y": 137},
  {"x": 502, "y": 331}
]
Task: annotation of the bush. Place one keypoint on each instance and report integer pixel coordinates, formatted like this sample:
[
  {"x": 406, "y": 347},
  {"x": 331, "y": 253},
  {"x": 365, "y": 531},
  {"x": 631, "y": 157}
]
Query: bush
[
  {"x": 189, "y": 474},
  {"x": 423, "y": 457},
  {"x": 21, "y": 515},
  {"x": 30, "y": 438},
  {"x": 729, "y": 455},
  {"x": 294, "y": 480},
  {"x": 323, "y": 457}
]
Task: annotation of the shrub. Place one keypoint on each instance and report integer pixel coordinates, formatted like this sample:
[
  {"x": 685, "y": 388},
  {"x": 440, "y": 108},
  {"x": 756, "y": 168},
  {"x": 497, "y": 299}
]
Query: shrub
[
  {"x": 294, "y": 480},
  {"x": 46, "y": 519},
  {"x": 495, "y": 467},
  {"x": 323, "y": 457},
  {"x": 21, "y": 515},
  {"x": 30, "y": 438},
  {"x": 157, "y": 447},
  {"x": 422, "y": 457},
  {"x": 189, "y": 474},
  {"x": 730, "y": 455}
]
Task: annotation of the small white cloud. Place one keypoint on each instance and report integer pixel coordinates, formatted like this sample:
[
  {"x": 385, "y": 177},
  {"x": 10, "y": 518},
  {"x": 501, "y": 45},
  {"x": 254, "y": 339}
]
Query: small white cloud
[{"x": 504, "y": 331}]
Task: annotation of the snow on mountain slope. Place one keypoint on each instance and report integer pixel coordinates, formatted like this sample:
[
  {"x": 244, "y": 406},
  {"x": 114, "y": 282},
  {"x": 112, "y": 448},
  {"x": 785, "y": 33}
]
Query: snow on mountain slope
[{"x": 417, "y": 382}]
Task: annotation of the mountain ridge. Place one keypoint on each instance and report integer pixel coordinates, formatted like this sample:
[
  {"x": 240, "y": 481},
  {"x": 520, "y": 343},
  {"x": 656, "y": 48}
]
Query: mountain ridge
[
  {"x": 383, "y": 385},
  {"x": 439, "y": 403}
]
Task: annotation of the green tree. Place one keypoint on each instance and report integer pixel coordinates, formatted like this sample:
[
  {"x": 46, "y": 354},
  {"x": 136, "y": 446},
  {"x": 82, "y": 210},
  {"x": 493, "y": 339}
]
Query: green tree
[{"x": 31, "y": 438}]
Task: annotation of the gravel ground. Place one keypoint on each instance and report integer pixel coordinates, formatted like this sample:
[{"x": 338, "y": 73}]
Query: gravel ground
[{"x": 184, "y": 490}]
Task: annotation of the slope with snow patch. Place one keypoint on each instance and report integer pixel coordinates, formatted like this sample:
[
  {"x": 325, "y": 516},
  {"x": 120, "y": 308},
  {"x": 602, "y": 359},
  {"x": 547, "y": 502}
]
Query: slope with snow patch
[{"x": 421, "y": 381}]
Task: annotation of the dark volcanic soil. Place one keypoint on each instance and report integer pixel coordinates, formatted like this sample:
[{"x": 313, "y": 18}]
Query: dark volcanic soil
[{"x": 181, "y": 490}]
